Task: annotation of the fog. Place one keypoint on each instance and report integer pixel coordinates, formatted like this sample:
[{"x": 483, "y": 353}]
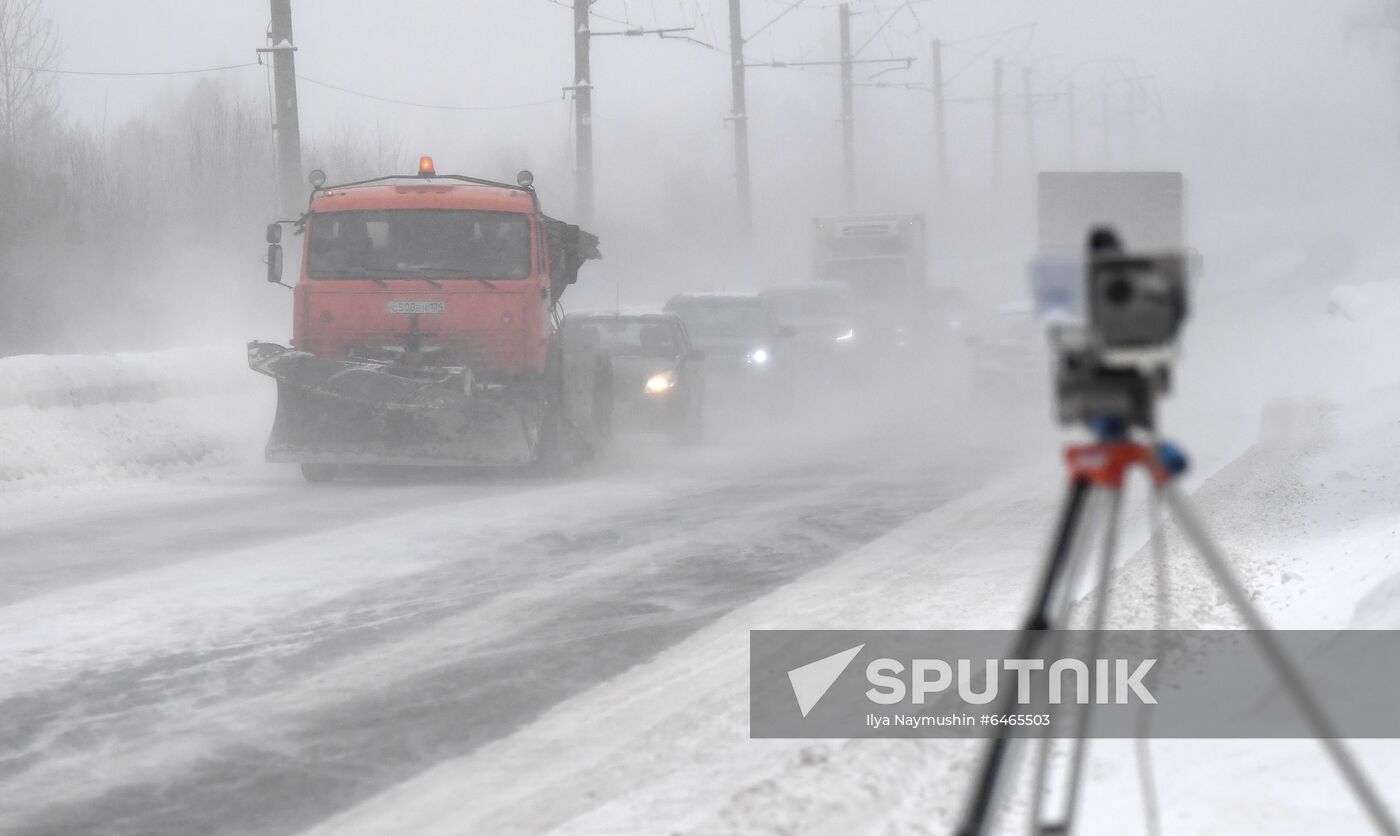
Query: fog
[
  {"x": 1282, "y": 117},
  {"x": 204, "y": 637}
]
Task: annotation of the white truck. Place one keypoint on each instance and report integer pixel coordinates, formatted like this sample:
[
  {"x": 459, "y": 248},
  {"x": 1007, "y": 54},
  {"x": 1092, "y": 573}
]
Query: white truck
[{"x": 883, "y": 260}]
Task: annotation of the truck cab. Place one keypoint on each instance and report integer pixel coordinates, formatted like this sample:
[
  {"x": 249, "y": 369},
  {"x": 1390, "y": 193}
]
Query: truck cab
[
  {"x": 457, "y": 271},
  {"x": 425, "y": 327}
]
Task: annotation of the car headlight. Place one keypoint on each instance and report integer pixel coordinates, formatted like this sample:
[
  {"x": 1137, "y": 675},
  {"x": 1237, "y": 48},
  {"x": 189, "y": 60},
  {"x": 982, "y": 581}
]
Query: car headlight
[
  {"x": 660, "y": 384},
  {"x": 759, "y": 356},
  {"x": 847, "y": 337}
]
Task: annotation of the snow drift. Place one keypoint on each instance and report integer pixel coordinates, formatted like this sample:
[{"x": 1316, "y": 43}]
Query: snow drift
[{"x": 72, "y": 418}]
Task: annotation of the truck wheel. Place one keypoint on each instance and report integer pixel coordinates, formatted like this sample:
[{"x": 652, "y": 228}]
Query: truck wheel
[
  {"x": 319, "y": 472},
  {"x": 550, "y": 453},
  {"x": 551, "y": 443}
]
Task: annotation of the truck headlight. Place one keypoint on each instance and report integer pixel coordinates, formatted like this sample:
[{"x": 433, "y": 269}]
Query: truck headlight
[
  {"x": 759, "y": 356},
  {"x": 660, "y": 384},
  {"x": 847, "y": 337}
]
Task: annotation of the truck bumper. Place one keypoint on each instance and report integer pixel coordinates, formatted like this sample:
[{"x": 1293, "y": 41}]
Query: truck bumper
[{"x": 347, "y": 412}]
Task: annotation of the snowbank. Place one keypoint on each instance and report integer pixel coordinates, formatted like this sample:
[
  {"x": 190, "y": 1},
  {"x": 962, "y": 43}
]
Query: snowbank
[{"x": 75, "y": 418}]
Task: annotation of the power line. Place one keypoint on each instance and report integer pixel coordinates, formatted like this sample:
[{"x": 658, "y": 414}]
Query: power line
[
  {"x": 770, "y": 23},
  {"x": 991, "y": 46},
  {"x": 425, "y": 105},
  {"x": 908, "y": 4},
  {"x": 621, "y": 21},
  {"x": 115, "y": 74}
]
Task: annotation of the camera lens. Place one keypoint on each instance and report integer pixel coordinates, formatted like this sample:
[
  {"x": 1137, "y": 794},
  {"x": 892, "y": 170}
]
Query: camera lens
[{"x": 1118, "y": 291}]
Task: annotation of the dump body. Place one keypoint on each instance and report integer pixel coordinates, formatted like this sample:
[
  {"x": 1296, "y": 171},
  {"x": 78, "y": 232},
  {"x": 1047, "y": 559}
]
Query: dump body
[
  {"x": 425, "y": 331},
  {"x": 1148, "y": 208}
]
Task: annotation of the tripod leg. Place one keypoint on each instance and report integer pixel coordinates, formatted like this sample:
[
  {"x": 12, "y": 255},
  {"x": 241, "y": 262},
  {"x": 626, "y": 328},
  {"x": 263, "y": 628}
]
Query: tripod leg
[
  {"x": 977, "y": 819},
  {"x": 1288, "y": 674},
  {"x": 1142, "y": 745},
  {"x": 1055, "y": 649},
  {"x": 1099, "y": 618}
]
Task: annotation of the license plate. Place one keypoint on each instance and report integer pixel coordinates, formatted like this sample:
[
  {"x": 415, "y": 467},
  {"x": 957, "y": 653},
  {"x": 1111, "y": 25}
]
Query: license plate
[{"x": 411, "y": 307}]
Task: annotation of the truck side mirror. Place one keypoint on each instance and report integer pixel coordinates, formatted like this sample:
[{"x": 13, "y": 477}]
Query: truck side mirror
[
  {"x": 274, "y": 233},
  {"x": 274, "y": 263}
]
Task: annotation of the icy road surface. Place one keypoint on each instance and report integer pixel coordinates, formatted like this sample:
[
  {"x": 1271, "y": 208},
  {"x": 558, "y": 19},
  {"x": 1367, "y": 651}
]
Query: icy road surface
[{"x": 248, "y": 653}]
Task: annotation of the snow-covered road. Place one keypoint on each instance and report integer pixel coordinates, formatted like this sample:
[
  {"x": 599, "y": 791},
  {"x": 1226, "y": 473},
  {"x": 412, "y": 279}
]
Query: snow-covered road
[
  {"x": 195, "y": 642},
  {"x": 242, "y": 652}
]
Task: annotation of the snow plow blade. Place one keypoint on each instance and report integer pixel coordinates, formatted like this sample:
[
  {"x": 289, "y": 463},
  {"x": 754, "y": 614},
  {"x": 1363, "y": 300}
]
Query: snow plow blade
[{"x": 361, "y": 413}]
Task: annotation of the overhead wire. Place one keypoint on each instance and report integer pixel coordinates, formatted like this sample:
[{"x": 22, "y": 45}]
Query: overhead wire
[
  {"x": 131, "y": 74},
  {"x": 427, "y": 105}
]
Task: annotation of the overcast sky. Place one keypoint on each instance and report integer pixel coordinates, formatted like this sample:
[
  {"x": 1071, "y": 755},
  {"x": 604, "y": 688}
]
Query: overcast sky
[
  {"x": 1250, "y": 89},
  {"x": 502, "y": 52}
]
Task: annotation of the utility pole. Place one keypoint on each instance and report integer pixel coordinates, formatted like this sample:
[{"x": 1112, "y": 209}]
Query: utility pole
[
  {"x": 996, "y": 124},
  {"x": 583, "y": 114},
  {"x": 848, "y": 124},
  {"x": 847, "y": 64},
  {"x": 940, "y": 135},
  {"x": 292, "y": 196},
  {"x": 739, "y": 114},
  {"x": 1027, "y": 89}
]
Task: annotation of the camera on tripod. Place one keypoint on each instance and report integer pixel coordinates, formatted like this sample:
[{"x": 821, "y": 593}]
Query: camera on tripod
[{"x": 1114, "y": 320}]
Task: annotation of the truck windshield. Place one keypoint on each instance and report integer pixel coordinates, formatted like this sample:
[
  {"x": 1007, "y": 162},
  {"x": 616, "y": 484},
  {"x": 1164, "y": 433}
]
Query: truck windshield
[{"x": 419, "y": 243}]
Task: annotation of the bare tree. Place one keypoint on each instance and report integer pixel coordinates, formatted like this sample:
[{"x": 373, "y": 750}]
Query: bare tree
[{"x": 28, "y": 49}]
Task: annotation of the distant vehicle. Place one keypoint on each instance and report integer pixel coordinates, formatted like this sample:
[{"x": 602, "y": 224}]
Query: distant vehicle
[
  {"x": 658, "y": 376},
  {"x": 950, "y": 308},
  {"x": 823, "y": 317},
  {"x": 745, "y": 357},
  {"x": 737, "y": 331},
  {"x": 1009, "y": 350},
  {"x": 883, "y": 260}
]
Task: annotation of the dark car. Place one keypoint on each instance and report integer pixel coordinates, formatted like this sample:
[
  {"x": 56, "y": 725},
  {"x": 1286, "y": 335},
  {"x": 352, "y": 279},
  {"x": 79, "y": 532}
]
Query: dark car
[
  {"x": 746, "y": 363},
  {"x": 737, "y": 331},
  {"x": 823, "y": 317},
  {"x": 1009, "y": 354},
  {"x": 658, "y": 376}
]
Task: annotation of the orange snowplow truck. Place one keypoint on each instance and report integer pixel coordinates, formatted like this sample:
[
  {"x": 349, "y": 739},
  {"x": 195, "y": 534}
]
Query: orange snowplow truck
[{"x": 426, "y": 330}]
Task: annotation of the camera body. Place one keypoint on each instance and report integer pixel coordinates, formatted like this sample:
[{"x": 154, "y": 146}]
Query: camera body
[{"x": 1114, "y": 321}]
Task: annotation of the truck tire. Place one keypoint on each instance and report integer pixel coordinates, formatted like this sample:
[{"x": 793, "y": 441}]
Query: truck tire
[{"x": 550, "y": 457}]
